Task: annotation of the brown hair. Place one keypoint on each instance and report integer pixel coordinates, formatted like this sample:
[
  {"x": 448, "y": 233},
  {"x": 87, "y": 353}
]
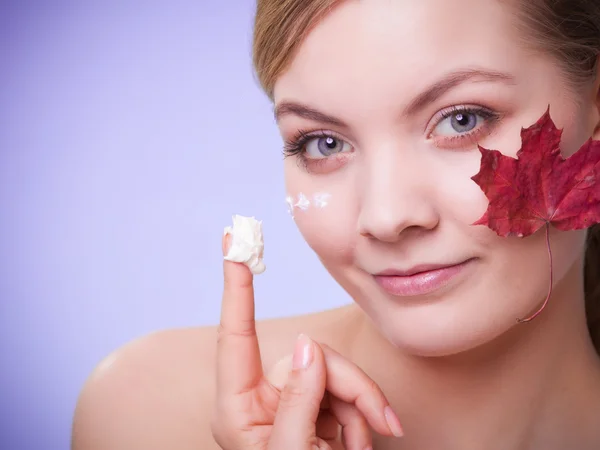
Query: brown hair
[{"x": 566, "y": 29}]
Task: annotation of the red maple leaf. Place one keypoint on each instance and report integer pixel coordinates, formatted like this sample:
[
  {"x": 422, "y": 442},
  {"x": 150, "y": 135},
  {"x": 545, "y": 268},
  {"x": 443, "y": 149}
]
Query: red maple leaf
[{"x": 540, "y": 188}]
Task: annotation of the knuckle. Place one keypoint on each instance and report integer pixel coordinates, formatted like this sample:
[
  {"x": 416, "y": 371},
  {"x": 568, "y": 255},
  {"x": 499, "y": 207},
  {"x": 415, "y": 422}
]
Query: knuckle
[
  {"x": 372, "y": 386},
  {"x": 294, "y": 397},
  {"x": 244, "y": 329},
  {"x": 373, "y": 390}
]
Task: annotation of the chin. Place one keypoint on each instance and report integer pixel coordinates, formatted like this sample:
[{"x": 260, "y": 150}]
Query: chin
[
  {"x": 454, "y": 321},
  {"x": 437, "y": 346},
  {"x": 437, "y": 330}
]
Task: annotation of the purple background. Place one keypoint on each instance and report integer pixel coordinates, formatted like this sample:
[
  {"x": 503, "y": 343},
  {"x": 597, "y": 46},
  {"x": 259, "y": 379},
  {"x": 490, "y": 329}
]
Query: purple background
[{"x": 129, "y": 134}]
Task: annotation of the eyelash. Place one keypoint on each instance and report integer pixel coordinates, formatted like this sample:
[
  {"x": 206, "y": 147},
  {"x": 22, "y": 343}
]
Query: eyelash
[
  {"x": 490, "y": 118},
  {"x": 296, "y": 145}
]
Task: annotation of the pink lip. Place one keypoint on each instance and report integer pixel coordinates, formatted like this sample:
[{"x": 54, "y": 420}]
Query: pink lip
[{"x": 419, "y": 280}]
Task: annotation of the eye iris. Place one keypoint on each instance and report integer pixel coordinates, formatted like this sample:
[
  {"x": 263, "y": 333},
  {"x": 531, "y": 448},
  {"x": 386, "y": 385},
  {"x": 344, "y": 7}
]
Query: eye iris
[
  {"x": 463, "y": 122},
  {"x": 328, "y": 145}
]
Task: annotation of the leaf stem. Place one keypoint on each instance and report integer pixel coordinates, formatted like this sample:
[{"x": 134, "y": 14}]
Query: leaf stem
[{"x": 529, "y": 319}]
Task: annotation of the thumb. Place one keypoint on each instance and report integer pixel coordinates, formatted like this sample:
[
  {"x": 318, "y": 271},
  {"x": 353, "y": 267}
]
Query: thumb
[
  {"x": 300, "y": 402},
  {"x": 279, "y": 373}
]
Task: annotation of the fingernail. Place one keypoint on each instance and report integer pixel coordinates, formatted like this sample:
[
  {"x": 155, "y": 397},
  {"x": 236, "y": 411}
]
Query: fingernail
[
  {"x": 393, "y": 422},
  {"x": 225, "y": 242},
  {"x": 303, "y": 352}
]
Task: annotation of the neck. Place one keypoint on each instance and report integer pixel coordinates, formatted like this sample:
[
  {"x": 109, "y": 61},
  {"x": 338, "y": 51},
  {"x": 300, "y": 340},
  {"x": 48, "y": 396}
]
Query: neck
[{"x": 536, "y": 387}]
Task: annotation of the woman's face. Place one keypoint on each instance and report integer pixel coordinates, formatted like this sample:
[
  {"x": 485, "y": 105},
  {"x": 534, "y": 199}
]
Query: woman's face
[{"x": 389, "y": 101}]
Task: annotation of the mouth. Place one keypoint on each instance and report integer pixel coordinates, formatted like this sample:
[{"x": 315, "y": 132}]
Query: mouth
[{"x": 420, "y": 280}]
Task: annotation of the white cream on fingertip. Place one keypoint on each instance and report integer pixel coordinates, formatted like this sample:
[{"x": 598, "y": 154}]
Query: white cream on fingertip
[{"x": 247, "y": 243}]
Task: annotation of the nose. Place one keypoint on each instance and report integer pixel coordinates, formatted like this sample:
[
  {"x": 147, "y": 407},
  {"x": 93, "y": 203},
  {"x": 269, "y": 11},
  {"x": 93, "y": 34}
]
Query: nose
[{"x": 396, "y": 197}]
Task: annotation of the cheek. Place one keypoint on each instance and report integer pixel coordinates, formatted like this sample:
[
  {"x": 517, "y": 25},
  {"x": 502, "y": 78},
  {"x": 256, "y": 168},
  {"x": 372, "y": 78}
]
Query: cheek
[
  {"x": 567, "y": 247},
  {"x": 454, "y": 193},
  {"x": 575, "y": 133},
  {"x": 330, "y": 230},
  {"x": 325, "y": 215},
  {"x": 522, "y": 267}
]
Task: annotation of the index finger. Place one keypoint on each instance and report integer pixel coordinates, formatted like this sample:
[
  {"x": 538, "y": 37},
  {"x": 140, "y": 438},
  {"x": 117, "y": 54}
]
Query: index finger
[
  {"x": 239, "y": 366},
  {"x": 349, "y": 383}
]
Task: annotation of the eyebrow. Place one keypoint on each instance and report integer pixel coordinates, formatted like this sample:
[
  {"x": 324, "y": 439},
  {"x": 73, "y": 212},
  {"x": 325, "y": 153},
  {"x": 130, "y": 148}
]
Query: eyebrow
[
  {"x": 452, "y": 80},
  {"x": 286, "y": 108},
  {"x": 433, "y": 92}
]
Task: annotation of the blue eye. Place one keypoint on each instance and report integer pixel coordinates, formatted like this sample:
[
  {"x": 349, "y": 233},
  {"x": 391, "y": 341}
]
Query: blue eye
[
  {"x": 462, "y": 122},
  {"x": 461, "y": 127},
  {"x": 323, "y": 146},
  {"x": 459, "y": 122}
]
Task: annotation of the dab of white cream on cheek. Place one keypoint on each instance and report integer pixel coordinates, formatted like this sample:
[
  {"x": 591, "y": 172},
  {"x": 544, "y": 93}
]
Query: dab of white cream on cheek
[
  {"x": 303, "y": 202},
  {"x": 289, "y": 201},
  {"x": 321, "y": 200}
]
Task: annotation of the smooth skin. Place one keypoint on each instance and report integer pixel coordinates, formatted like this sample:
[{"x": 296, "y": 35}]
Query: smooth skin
[
  {"x": 311, "y": 398},
  {"x": 454, "y": 365},
  {"x": 254, "y": 411}
]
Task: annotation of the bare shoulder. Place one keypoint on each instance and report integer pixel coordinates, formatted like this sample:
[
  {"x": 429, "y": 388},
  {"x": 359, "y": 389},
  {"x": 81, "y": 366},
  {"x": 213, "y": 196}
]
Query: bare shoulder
[{"x": 157, "y": 392}]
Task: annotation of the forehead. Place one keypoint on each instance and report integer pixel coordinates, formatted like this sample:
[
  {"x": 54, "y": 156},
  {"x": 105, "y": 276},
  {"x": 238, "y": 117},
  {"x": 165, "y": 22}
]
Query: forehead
[{"x": 380, "y": 48}]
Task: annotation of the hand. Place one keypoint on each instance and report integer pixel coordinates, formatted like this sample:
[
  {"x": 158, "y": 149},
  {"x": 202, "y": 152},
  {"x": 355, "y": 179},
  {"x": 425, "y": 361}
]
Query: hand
[{"x": 254, "y": 412}]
